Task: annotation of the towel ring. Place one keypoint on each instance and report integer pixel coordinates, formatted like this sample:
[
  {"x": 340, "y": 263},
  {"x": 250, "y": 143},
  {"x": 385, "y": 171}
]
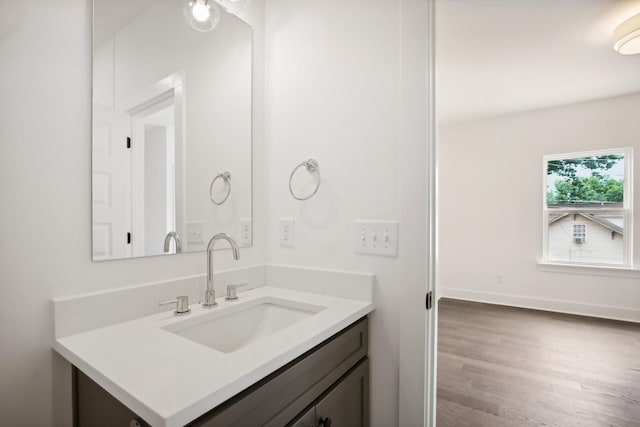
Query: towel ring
[
  {"x": 312, "y": 166},
  {"x": 226, "y": 177}
]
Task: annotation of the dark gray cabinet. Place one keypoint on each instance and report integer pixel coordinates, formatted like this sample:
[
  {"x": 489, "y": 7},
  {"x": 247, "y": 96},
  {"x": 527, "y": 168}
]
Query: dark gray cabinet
[
  {"x": 346, "y": 404},
  {"x": 94, "y": 407},
  {"x": 308, "y": 419},
  {"x": 330, "y": 380}
]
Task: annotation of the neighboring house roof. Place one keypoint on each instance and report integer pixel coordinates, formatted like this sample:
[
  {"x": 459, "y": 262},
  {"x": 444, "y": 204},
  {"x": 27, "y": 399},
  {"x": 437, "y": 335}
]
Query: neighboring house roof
[
  {"x": 591, "y": 217},
  {"x": 586, "y": 205}
]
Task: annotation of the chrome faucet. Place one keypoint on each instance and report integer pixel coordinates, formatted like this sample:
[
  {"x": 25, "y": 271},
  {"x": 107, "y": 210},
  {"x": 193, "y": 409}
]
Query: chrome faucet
[
  {"x": 167, "y": 241},
  {"x": 210, "y": 293}
]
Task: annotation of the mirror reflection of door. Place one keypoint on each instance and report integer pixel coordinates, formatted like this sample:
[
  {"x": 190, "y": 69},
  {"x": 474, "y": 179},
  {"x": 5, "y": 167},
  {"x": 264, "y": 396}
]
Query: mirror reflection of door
[
  {"x": 153, "y": 149},
  {"x": 111, "y": 182}
]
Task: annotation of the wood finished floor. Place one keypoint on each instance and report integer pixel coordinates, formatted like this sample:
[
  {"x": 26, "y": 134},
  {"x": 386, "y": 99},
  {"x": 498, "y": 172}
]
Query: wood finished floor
[{"x": 502, "y": 366}]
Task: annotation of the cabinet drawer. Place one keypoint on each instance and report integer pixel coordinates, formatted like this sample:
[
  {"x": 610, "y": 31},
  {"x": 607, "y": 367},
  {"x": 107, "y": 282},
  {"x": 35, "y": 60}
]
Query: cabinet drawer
[{"x": 278, "y": 398}]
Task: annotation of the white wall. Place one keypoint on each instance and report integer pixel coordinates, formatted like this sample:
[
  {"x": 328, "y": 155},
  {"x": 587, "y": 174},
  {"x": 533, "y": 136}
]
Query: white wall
[
  {"x": 45, "y": 187},
  {"x": 334, "y": 93},
  {"x": 490, "y": 208}
]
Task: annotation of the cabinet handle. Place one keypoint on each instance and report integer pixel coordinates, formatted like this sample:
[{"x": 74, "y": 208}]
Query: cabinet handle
[{"x": 325, "y": 422}]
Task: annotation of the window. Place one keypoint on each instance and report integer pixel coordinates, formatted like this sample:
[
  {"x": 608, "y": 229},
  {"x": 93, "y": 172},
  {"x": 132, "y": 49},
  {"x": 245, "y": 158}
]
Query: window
[
  {"x": 587, "y": 208},
  {"x": 579, "y": 233}
]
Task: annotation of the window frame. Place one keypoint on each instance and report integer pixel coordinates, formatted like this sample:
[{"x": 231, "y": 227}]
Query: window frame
[{"x": 625, "y": 210}]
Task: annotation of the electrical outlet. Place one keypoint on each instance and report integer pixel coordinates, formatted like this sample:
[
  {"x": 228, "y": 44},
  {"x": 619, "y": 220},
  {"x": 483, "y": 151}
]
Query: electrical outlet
[
  {"x": 376, "y": 237},
  {"x": 286, "y": 232},
  {"x": 246, "y": 234},
  {"x": 195, "y": 232}
]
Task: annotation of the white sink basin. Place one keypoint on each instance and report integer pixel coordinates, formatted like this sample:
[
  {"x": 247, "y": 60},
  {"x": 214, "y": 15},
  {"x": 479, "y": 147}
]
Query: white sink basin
[{"x": 236, "y": 326}]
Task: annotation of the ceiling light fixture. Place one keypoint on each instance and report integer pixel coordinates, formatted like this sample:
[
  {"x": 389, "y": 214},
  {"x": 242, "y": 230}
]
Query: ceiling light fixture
[
  {"x": 234, "y": 6},
  {"x": 626, "y": 38},
  {"x": 202, "y": 15}
]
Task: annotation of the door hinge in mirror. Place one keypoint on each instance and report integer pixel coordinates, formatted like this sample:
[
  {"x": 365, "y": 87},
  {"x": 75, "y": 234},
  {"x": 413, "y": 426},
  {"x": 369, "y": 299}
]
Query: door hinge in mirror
[
  {"x": 429, "y": 300},
  {"x": 128, "y": 142},
  {"x": 128, "y": 238}
]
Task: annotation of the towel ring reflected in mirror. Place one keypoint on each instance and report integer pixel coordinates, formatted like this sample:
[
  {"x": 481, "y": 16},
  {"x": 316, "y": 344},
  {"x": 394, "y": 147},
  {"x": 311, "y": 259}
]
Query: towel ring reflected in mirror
[
  {"x": 311, "y": 166},
  {"x": 226, "y": 178}
]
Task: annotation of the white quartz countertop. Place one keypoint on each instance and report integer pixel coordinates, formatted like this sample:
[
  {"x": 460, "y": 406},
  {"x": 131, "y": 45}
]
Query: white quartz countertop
[{"x": 169, "y": 380}]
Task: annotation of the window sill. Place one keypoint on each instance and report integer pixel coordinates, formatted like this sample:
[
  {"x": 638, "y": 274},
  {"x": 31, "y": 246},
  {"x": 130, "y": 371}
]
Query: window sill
[{"x": 593, "y": 270}]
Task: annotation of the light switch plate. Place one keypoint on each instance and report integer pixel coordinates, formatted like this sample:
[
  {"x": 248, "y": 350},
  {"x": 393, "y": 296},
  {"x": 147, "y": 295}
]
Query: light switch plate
[
  {"x": 195, "y": 232},
  {"x": 246, "y": 234},
  {"x": 286, "y": 232},
  {"x": 376, "y": 237}
]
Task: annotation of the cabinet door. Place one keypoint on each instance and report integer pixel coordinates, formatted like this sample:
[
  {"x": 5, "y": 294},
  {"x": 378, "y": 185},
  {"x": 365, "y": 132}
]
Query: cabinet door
[
  {"x": 347, "y": 405},
  {"x": 307, "y": 420}
]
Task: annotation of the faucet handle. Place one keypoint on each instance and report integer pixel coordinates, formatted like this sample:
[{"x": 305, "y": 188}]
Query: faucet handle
[
  {"x": 182, "y": 305},
  {"x": 231, "y": 291}
]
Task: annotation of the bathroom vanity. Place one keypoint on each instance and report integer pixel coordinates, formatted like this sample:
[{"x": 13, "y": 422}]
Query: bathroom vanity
[
  {"x": 327, "y": 385},
  {"x": 293, "y": 355}
]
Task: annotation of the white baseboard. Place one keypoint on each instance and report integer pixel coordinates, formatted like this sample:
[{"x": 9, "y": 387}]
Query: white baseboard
[{"x": 558, "y": 306}]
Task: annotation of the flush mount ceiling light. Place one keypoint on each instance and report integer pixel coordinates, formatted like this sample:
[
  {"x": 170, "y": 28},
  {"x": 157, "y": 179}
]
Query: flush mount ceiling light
[
  {"x": 241, "y": 3},
  {"x": 202, "y": 15},
  {"x": 626, "y": 38}
]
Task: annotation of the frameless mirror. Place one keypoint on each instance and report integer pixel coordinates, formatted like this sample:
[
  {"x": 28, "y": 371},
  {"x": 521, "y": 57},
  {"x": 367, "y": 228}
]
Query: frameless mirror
[{"x": 171, "y": 157}]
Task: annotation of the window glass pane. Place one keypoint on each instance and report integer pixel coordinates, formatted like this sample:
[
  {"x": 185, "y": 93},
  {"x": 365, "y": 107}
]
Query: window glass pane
[
  {"x": 594, "y": 181},
  {"x": 586, "y": 237}
]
